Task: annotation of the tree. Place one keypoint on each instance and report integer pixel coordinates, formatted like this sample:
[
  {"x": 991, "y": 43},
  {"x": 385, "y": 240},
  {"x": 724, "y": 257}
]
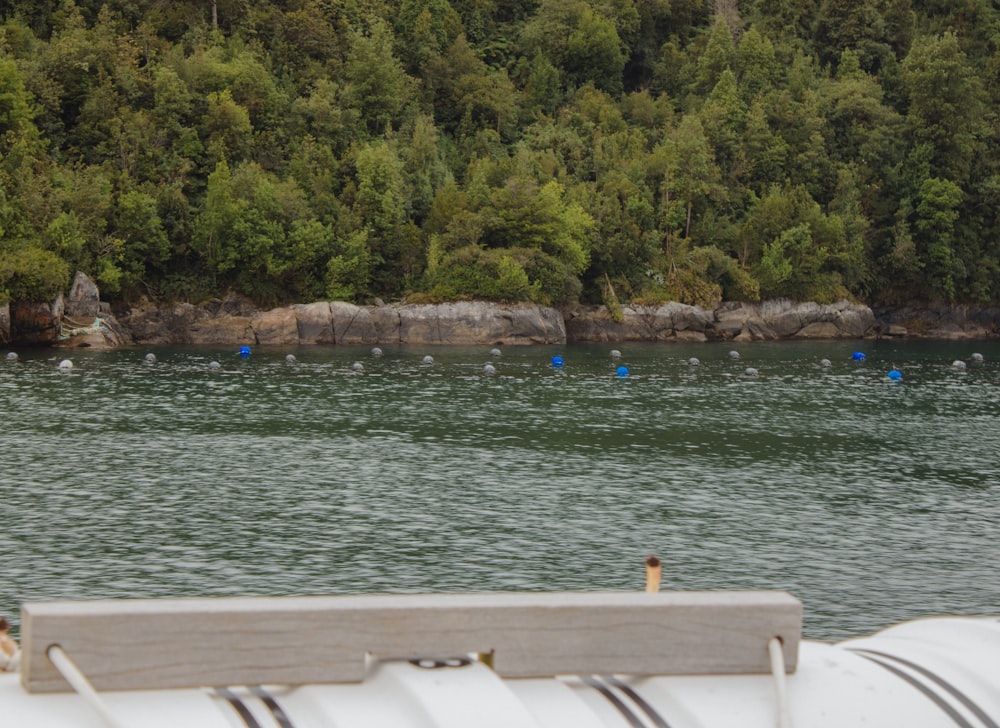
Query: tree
[
  {"x": 756, "y": 65},
  {"x": 719, "y": 56},
  {"x": 376, "y": 84},
  {"x": 945, "y": 103},
  {"x": 594, "y": 53},
  {"x": 692, "y": 174},
  {"x": 579, "y": 40},
  {"x": 936, "y": 214},
  {"x": 523, "y": 215},
  {"x": 381, "y": 204},
  {"x": 213, "y": 229},
  {"x": 425, "y": 28},
  {"x": 143, "y": 241}
]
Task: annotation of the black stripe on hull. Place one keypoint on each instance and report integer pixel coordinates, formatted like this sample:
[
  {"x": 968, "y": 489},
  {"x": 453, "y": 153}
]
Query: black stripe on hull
[
  {"x": 280, "y": 716},
  {"x": 938, "y": 680},
  {"x": 241, "y": 710},
  {"x": 926, "y": 690},
  {"x": 640, "y": 701},
  {"x": 632, "y": 718}
]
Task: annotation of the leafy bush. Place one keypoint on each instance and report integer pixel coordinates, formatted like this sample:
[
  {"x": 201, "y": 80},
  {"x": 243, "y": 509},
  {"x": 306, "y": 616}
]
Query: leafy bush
[
  {"x": 503, "y": 274},
  {"x": 32, "y": 274}
]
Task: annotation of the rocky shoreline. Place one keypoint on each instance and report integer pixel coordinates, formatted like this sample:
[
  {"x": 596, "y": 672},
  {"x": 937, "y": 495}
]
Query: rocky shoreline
[{"x": 82, "y": 320}]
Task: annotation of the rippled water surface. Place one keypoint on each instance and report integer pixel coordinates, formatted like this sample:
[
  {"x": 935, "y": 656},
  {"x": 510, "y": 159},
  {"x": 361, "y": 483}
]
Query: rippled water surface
[{"x": 872, "y": 501}]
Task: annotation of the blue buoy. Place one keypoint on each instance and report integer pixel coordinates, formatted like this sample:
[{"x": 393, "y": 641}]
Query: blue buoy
[
  {"x": 895, "y": 375},
  {"x": 622, "y": 372},
  {"x": 376, "y": 352},
  {"x": 557, "y": 362},
  {"x": 244, "y": 352},
  {"x": 858, "y": 356},
  {"x": 489, "y": 370}
]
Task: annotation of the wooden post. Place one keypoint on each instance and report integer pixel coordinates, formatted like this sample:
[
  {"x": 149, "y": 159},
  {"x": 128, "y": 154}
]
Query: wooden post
[{"x": 653, "y": 572}]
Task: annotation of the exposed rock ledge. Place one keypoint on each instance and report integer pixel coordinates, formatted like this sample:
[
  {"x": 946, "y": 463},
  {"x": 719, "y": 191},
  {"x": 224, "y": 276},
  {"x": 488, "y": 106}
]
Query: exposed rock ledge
[
  {"x": 234, "y": 320},
  {"x": 779, "y": 319}
]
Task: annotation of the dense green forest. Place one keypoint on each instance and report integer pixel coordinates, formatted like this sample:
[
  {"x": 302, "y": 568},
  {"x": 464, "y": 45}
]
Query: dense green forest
[{"x": 544, "y": 150}]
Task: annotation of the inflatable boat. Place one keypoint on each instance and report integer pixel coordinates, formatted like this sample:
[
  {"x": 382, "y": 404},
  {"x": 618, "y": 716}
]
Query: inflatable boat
[{"x": 540, "y": 660}]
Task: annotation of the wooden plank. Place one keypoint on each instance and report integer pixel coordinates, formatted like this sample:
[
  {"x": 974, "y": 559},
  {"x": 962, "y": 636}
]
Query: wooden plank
[{"x": 178, "y": 643}]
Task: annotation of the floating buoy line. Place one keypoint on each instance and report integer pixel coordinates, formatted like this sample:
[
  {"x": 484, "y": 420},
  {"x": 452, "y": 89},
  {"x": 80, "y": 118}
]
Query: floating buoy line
[{"x": 618, "y": 369}]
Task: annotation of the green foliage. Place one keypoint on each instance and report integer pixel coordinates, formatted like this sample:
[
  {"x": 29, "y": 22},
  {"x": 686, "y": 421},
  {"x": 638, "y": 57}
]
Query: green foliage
[
  {"x": 513, "y": 274},
  {"x": 348, "y": 272},
  {"x": 945, "y": 103},
  {"x": 936, "y": 214},
  {"x": 610, "y": 299},
  {"x": 545, "y": 150},
  {"x": 376, "y": 84},
  {"x": 28, "y": 273}
]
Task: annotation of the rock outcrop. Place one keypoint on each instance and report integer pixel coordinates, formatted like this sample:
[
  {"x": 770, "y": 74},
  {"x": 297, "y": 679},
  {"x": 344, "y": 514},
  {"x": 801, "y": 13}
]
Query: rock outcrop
[
  {"x": 36, "y": 323},
  {"x": 83, "y": 320},
  {"x": 86, "y": 321},
  {"x": 233, "y": 321},
  {"x": 779, "y": 319},
  {"x": 939, "y": 321}
]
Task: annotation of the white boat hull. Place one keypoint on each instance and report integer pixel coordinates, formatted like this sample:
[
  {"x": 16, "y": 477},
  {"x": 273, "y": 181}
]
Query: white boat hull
[{"x": 931, "y": 673}]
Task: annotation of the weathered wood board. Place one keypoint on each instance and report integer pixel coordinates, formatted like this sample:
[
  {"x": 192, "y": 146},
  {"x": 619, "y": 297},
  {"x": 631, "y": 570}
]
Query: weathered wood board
[{"x": 178, "y": 643}]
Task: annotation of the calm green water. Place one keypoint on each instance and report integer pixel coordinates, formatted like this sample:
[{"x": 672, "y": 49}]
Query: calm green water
[{"x": 872, "y": 501}]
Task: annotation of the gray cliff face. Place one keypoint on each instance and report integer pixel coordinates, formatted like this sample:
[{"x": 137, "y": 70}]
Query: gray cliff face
[
  {"x": 234, "y": 321},
  {"x": 83, "y": 320},
  {"x": 779, "y": 319},
  {"x": 940, "y": 321}
]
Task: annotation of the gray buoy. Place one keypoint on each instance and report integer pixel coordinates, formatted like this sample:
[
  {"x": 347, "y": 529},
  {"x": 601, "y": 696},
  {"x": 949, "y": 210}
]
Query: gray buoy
[
  {"x": 65, "y": 364},
  {"x": 751, "y": 372},
  {"x": 11, "y": 356},
  {"x": 615, "y": 354},
  {"x": 977, "y": 358},
  {"x": 694, "y": 361},
  {"x": 489, "y": 370},
  {"x": 290, "y": 359},
  {"x": 495, "y": 352},
  {"x": 213, "y": 365},
  {"x": 150, "y": 358},
  {"x": 734, "y": 355},
  {"x": 357, "y": 367},
  {"x": 428, "y": 359},
  {"x": 958, "y": 364},
  {"x": 376, "y": 351},
  {"x": 825, "y": 363}
]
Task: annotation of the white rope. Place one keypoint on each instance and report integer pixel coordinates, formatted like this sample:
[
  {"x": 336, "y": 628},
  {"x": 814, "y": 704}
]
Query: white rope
[
  {"x": 79, "y": 682},
  {"x": 775, "y": 649}
]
